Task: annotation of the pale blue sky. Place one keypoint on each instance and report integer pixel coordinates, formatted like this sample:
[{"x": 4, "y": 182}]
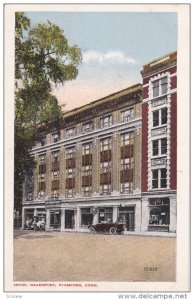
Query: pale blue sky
[{"x": 114, "y": 46}]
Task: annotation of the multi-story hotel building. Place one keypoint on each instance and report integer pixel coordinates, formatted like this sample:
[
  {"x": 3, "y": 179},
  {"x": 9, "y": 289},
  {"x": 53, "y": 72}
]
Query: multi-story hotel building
[
  {"x": 114, "y": 159},
  {"x": 90, "y": 171}
]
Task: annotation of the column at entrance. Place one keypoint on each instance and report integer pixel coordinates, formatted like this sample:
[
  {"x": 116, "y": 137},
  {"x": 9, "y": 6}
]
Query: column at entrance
[
  {"x": 144, "y": 215},
  {"x": 23, "y": 217},
  {"x": 47, "y": 219},
  {"x": 115, "y": 215},
  {"x": 95, "y": 218},
  {"x": 77, "y": 219},
  {"x": 62, "y": 219},
  {"x": 173, "y": 212},
  {"x": 35, "y": 211}
]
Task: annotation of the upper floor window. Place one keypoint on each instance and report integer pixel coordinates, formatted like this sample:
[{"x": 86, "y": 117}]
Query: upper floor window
[
  {"x": 127, "y": 115},
  {"x": 70, "y": 152},
  {"x": 127, "y": 139},
  {"x": 105, "y": 144},
  {"x": 42, "y": 158},
  {"x": 159, "y": 178},
  {"x": 105, "y": 166},
  {"x": 126, "y": 163},
  {"x": 105, "y": 189},
  {"x": 159, "y": 147},
  {"x": 70, "y": 172},
  {"x": 55, "y": 174},
  {"x": 70, "y": 132},
  {"x": 87, "y": 148},
  {"x": 42, "y": 141},
  {"x": 87, "y": 127},
  {"x": 87, "y": 170},
  {"x": 160, "y": 117},
  {"x": 70, "y": 192},
  {"x": 126, "y": 187},
  {"x": 55, "y": 193},
  {"x": 55, "y": 137},
  {"x": 106, "y": 121},
  {"x": 87, "y": 190},
  {"x": 160, "y": 87},
  {"x": 55, "y": 156}
]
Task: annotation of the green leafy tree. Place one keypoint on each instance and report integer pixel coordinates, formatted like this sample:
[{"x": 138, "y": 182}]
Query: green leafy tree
[{"x": 43, "y": 60}]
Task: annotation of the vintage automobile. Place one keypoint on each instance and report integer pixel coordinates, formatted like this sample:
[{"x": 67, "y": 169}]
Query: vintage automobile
[
  {"x": 36, "y": 224},
  {"x": 112, "y": 228}
]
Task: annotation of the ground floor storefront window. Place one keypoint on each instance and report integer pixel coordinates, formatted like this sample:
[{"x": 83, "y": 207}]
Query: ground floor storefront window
[
  {"x": 105, "y": 215},
  {"x": 159, "y": 214},
  {"x": 55, "y": 219},
  {"x": 127, "y": 216},
  {"x": 86, "y": 217}
]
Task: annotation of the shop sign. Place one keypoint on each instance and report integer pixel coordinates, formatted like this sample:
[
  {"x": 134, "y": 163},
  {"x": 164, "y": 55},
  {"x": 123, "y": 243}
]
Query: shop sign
[{"x": 52, "y": 201}]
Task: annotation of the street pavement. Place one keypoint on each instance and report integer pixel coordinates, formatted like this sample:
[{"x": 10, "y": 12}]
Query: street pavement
[{"x": 59, "y": 256}]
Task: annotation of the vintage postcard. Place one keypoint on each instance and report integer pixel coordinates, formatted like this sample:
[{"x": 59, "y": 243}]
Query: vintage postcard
[{"x": 97, "y": 104}]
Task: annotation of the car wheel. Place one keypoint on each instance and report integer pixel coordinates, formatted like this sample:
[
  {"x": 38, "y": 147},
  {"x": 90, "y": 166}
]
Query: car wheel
[
  {"x": 112, "y": 230},
  {"x": 92, "y": 230}
]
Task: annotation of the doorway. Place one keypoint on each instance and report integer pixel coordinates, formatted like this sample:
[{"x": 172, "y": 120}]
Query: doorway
[
  {"x": 127, "y": 216},
  {"x": 69, "y": 219}
]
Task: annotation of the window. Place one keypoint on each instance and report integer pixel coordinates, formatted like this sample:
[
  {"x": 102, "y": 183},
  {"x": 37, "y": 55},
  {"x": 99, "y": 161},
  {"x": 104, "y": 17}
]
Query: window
[
  {"x": 70, "y": 172},
  {"x": 70, "y": 132},
  {"x": 164, "y": 115},
  {"x": 55, "y": 219},
  {"x": 159, "y": 178},
  {"x": 69, "y": 192},
  {"x": 42, "y": 177},
  {"x": 106, "y": 121},
  {"x": 127, "y": 115},
  {"x": 164, "y": 146},
  {"x": 55, "y": 156},
  {"x": 55, "y": 174},
  {"x": 105, "y": 215},
  {"x": 160, "y": 117},
  {"x": 105, "y": 144},
  {"x": 125, "y": 163},
  {"x": 159, "y": 211},
  {"x": 55, "y": 193},
  {"x": 87, "y": 190},
  {"x": 42, "y": 159},
  {"x": 42, "y": 141},
  {"x": 87, "y": 170},
  {"x": 159, "y": 147},
  {"x": 155, "y": 147},
  {"x": 126, "y": 187},
  {"x": 87, "y": 127},
  {"x": 87, "y": 148},
  {"x": 156, "y": 88},
  {"x": 164, "y": 85},
  {"x": 127, "y": 139},
  {"x": 160, "y": 87},
  {"x": 86, "y": 217},
  {"x": 105, "y": 189},
  {"x": 105, "y": 167},
  {"x": 70, "y": 152},
  {"x": 55, "y": 137}
]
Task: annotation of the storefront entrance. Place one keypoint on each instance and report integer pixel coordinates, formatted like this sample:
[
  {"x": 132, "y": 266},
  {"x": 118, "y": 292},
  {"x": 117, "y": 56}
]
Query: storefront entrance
[
  {"x": 55, "y": 219},
  {"x": 127, "y": 216},
  {"x": 69, "y": 219}
]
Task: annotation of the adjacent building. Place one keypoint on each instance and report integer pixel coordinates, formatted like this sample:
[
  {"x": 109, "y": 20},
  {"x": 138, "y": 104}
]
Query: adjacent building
[{"x": 115, "y": 158}]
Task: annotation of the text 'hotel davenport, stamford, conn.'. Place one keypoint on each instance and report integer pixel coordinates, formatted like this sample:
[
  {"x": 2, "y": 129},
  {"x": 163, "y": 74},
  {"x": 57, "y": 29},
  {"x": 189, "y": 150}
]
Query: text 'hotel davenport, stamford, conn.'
[{"x": 114, "y": 160}]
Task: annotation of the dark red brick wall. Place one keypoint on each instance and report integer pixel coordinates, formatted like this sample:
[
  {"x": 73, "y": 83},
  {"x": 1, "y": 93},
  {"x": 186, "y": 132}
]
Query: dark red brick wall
[
  {"x": 173, "y": 143},
  {"x": 173, "y": 82},
  {"x": 145, "y": 92},
  {"x": 144, "y": 146}
]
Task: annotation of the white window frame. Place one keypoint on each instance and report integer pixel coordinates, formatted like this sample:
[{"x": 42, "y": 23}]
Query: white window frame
[
  {"x": 127, "y": 115},
  {"x": 70, "y": 132},
  {"x": 159, "y": 80},
  {"x": 159, "y": 117},
  {"x": 105, "y": 144},
  {"x": 106, "y": 121},
  {"x": 159, "y": 179}
]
